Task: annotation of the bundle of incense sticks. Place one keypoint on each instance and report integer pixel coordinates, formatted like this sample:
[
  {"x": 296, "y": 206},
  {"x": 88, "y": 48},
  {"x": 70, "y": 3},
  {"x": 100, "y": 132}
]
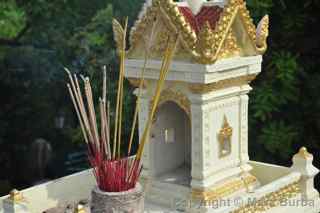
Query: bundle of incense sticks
[{"x": 113, "y": 172}]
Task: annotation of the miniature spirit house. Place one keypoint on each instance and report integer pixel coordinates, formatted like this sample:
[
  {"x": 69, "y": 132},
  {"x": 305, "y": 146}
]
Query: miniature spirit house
[
  {"x": 197, "y": 152},
  {"x": 199, "y": 137}
]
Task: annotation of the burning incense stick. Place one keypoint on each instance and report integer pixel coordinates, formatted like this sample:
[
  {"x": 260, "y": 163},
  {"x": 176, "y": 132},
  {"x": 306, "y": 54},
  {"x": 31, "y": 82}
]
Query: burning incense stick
[
  {"x": 102, "y": 128},
  {"x": 112, "y": 172},
  {"x": 136, "y": 165},
  {"x": 163, "y": 72},
  {"x": 107, "y": 118},
  {"x": 78, "y": 98},
  {"x": 104, "y": 87},
  {"x": 122, "y": 59},
  {"x": 92, "y": 118},
  {"x": 103, "y": 110},
  {"x": 82, "y": 107},
  {"x": 146, "y": 57},
  {"x": 120, "y": 38},
  {"x": 78, "y": 113}
]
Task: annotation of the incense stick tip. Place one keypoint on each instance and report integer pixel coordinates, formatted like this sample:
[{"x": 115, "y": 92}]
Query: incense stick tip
[
  {"x": 82, "y": 77},
  {"x": 67, "y": 70}
]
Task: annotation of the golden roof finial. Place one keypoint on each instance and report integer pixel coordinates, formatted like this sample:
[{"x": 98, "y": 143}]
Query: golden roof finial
[
  {"x": 15, "y": 195},
  {"x": 262, "y": 34},
  {"x": 303, "y": 152}
]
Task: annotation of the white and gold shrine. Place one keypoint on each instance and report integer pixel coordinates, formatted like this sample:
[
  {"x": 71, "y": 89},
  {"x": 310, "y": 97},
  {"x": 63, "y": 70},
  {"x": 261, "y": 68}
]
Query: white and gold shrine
[
  {"x": 198, "y": 145},
  {"x": 199, "y": 139},
  {"x": 197, "y": 156}
]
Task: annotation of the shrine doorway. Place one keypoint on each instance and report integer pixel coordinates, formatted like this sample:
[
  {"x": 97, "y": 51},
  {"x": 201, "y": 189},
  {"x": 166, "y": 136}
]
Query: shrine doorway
[{"x": 171, "y": 144}]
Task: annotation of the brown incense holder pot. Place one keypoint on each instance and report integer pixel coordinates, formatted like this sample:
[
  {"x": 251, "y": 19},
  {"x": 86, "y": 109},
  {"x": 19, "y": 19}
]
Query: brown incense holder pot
[{"x": 117, "y": 202}]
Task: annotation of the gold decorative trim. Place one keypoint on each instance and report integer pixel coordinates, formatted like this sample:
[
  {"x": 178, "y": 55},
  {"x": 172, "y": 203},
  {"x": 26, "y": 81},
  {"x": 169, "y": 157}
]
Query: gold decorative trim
[
  {"x": 224, "y": 190},
  {"x": 160, "y": 42},
  {"x": 206, "y": 47},
  {"x": 188, "y": 35},
  {"x": 230, "y": 47},
  {"x": 137, "y": 31},
  {"x": 236, "y": 81},
  {"x": 177, "y": 97},
  {"x": 135, "y": 82},
  {"x": 225, "y": 134},
  {"x": 80, "y": 209},
  {"x": 219, "y": 35},
  {"x": 271, "y": 200},
  {"x": 303, "y": 153},
  {"x": 15, "y": 195}
]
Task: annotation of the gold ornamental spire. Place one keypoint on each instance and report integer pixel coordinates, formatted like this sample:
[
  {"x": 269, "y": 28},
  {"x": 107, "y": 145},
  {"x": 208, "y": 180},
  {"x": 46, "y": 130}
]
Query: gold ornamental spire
[{"x": 205, "y": 43}]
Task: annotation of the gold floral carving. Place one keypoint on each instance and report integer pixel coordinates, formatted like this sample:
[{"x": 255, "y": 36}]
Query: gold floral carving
[
  {"x": 80, "y": 209},
  {"x": 237, "y": 81},
  {"x": 230, "y": 47},
  {"x": 16, "y": 196},
  {"x": 272, "y": 199},
  {"x": 138, "y": 30},
  {"x": 135, "y": 82},
  {"x": 160, "y": 44},
  {"x": 224, "y": 137},
  {"x": 205, "y": 45},
  {"x": 224, "y": 190},
  {"x": 209, "y": 45},
  {"x": 177, "y": 97},
  {"x": 171, "y": 9}
]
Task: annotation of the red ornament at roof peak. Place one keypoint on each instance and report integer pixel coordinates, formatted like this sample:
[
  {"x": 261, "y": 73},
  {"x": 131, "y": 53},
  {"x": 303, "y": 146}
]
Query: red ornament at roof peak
[{"x": 209, "y": 14}]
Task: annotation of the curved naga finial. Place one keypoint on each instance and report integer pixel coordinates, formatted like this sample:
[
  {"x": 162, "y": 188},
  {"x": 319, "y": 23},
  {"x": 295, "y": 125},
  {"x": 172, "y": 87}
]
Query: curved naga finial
[{"x": 262, "y": 34}]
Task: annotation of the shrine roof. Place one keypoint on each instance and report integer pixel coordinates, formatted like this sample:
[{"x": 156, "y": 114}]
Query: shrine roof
[
  {"x": 209, "y": 14},
  {"x": 214, "y": 32}
]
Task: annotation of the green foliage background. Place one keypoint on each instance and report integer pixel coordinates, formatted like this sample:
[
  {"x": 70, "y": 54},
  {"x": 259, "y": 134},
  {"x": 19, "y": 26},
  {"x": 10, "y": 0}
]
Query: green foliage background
[{"x": 39, "y": 37}]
